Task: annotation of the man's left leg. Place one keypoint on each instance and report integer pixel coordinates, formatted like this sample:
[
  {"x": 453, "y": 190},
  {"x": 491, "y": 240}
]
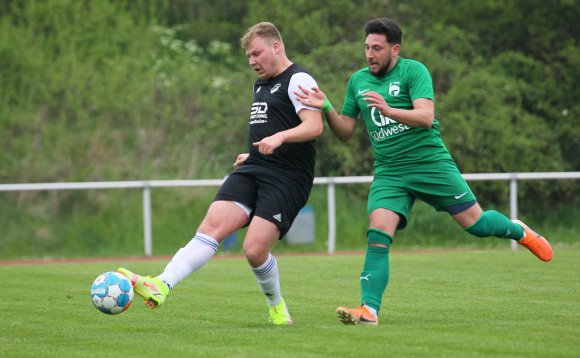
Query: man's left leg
[
  {"x": 261, "y": 237},
  {"x": 492, "y": 223}
]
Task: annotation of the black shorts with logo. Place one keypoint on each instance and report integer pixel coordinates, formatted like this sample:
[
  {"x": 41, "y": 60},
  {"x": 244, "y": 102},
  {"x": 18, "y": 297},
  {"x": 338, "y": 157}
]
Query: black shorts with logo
[{"x": 272, "y": 194}]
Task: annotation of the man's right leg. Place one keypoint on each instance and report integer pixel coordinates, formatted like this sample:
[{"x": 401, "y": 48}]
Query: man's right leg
[
  {"x": 222, "y": 219},
  {"x": 375, "y": 274}
]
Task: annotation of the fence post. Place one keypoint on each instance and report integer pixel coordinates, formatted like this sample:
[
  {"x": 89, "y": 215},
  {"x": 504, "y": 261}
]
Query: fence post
[
  {"x": 513, "y": 204},
  {"x": 331, "y": 204},
  {"x": 147, "y": 219}
]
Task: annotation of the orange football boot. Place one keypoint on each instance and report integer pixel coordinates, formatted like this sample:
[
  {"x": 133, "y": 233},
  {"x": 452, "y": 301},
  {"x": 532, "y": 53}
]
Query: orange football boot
[
  {"x": 535, "y": 243},
  {"x": 358, "y": 315}
]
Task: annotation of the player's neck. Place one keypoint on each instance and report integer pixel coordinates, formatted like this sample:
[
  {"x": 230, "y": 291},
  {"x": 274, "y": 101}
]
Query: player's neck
[
  {"x": 393, "y": 64},
  {"x": 282, "y": 66}
]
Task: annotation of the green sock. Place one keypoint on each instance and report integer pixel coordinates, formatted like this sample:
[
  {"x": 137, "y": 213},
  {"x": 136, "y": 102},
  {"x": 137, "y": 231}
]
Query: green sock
[
  {"x": 375, "y": 274},
  {"x": 493, "y": 223}
]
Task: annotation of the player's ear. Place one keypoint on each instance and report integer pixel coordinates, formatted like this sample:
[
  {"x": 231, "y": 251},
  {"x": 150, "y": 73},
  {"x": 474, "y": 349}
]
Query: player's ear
[
  {"x": 396, "y": 50},
  {"x": 276, "y": 46}
]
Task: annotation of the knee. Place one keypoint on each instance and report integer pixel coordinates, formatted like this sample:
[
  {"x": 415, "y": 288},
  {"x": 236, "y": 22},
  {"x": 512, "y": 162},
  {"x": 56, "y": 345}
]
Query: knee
[
  {"x": 218, "y": 228},
  {"x": 255, "y": 254},
  {"x": 480, "y": 227},
  {"x": 378, "y": 238}
]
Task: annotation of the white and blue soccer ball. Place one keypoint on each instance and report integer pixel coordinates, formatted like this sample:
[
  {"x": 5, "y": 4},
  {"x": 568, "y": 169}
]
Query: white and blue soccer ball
[{"x": 112, "y": 293}]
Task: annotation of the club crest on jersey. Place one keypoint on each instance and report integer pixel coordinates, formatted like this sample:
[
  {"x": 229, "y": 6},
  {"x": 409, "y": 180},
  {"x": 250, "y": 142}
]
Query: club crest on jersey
[
  {"x": 394, "y": 89},
  {"x": 275, "y": 88}
]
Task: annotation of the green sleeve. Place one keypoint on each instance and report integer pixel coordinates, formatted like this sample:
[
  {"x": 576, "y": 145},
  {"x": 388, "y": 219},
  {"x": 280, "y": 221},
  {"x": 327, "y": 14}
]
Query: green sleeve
[
  {"x": 420, "y": 82},
  {"x": 350, "y": 107}
]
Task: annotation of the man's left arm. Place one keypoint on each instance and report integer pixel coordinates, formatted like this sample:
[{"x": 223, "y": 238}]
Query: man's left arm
[
  {"x": 310, "y": 128},
  {"x": 421, "y": 116}
]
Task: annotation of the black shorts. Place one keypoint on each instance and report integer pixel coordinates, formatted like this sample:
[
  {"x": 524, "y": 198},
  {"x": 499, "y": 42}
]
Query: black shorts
[{"x": 272, "y": 194}]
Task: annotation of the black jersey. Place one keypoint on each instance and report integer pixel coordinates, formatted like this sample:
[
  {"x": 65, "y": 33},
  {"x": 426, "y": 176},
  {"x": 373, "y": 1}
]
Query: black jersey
[{"x": 273, "y": 111}]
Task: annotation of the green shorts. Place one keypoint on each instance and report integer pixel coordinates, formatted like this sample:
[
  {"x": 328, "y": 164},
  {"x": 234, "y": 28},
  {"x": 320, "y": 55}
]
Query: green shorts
[{"x": 439, "y": 184}]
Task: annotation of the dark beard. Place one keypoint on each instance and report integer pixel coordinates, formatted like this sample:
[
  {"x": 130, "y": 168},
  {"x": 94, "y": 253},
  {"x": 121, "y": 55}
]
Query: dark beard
[{"x": 383, "y": 70}]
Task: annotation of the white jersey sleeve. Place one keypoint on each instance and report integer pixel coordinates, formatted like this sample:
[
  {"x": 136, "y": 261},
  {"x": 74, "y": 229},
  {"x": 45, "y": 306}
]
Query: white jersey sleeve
[{"x": 300, "y": 79}]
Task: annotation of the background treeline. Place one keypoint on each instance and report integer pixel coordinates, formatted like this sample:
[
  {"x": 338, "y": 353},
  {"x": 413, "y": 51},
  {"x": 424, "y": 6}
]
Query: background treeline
[{"x": 123, "y": 90}]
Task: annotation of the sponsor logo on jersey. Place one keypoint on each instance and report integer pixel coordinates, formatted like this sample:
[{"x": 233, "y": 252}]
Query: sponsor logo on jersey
[
  {"x": 365, "y": 277},
  {"x": 275, "y": 88},
  {"x": 259, "y": 112},
  {"x": 363, "y": 91},
  {"x": 388, "y": 126},
  {"x": 394, "y": 89},
  {"x": 382, "y": 120},
  {"x": 460, "y": 196},
  {"x": 278, "y": 217},
  {"x": 259, "y": 88},
  {"x": 384, "y": 133}
]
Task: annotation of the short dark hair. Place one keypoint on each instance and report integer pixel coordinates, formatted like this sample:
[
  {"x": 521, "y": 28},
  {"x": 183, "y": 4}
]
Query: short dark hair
[{"x": 387, "y": 27}]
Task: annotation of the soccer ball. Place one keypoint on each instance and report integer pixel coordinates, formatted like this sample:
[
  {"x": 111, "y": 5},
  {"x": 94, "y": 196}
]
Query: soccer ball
[{"x": 112, "y": 293}]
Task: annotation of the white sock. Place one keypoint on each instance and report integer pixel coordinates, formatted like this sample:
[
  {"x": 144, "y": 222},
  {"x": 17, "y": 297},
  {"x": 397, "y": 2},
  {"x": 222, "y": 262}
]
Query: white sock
[
  {"x": 269, "y": 280},
  {"x": 188, "y": 259},
  {"x": 372, "y": 310}
]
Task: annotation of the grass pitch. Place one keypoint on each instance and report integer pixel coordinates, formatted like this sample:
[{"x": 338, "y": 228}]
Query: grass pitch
[{"x": 438, "y": 304}]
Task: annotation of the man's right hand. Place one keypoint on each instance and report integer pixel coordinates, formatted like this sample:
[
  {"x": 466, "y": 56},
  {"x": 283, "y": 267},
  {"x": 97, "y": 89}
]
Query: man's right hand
[
  {"x": 240, "y": 159},
  {"x": 313, "y": 97}
]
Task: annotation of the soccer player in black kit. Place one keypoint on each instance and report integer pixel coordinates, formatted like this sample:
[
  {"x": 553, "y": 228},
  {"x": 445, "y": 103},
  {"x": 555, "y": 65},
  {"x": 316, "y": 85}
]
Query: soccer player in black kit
[{"x": 270, "y": 185}]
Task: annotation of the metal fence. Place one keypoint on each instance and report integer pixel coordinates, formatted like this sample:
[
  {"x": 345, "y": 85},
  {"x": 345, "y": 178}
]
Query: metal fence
[{"x": 330, "y": 182}]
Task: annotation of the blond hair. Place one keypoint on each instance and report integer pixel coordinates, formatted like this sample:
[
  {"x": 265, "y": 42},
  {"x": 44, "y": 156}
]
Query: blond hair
[{"x": 265, "y": 30}]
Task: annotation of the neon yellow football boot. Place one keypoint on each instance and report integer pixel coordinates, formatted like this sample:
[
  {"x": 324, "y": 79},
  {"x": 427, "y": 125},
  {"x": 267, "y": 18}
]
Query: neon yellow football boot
[
  {"x": 152, "y": 289},
  {"x": 279, "y": 314}
]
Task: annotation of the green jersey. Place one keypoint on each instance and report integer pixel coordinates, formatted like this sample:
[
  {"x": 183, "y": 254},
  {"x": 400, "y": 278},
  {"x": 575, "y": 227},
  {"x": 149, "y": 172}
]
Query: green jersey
[{"x": 394, "y": 144}]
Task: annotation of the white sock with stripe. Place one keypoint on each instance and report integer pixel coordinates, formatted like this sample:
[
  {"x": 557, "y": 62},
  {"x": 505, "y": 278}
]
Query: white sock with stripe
[
  {"x": 269, "y": 280},
  {"x": 189, "y": 259}
]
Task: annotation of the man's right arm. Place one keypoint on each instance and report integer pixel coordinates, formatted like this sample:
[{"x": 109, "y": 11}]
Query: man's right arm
[{"x": 342, "y": 126}]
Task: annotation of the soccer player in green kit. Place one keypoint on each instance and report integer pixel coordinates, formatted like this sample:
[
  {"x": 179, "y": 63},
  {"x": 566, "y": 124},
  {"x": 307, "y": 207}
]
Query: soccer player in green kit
[{"x": 394, "y": 96}]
